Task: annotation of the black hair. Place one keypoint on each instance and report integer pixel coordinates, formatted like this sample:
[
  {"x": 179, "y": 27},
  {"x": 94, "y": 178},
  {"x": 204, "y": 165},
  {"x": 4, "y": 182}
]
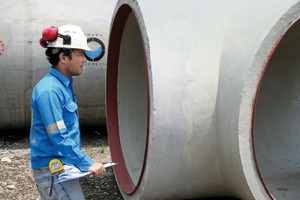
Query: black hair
[{"x": 53, "y": 54}]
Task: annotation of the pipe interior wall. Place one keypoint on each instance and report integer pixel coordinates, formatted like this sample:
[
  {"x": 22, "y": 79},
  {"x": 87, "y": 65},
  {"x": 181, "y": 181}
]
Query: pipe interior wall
[
  {"x": 132, "y": 96},
  {"x": 181, "y": 88},
  {"x": 276, "y": 127}
]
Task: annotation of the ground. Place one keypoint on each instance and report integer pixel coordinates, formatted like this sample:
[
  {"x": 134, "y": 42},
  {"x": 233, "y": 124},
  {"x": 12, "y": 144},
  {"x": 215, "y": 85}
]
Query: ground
[{"x": 16, "y": 181}]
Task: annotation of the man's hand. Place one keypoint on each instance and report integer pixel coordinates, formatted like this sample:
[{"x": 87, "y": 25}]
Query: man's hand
[{"x": 97, "y": 168}]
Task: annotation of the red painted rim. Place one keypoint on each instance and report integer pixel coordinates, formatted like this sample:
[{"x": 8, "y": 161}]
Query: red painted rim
[{"x": 122, "y": 175}]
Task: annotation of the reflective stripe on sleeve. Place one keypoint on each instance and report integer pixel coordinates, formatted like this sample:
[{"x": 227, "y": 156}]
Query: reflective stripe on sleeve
[{"x": 55, "y": 127}]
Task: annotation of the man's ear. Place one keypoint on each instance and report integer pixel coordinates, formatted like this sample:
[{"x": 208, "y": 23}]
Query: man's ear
[{"x": 62, "y": 57}]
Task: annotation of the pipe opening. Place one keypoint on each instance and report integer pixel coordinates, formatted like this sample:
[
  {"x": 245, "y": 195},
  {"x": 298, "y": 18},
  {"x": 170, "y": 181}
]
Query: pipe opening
[
  {"x": 127, "y": 100},
  {"x": 277, "y": 119}
]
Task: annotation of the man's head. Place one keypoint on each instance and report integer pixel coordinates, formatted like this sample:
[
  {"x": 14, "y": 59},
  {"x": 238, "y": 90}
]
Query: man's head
[{"x": 65, "y": 48}]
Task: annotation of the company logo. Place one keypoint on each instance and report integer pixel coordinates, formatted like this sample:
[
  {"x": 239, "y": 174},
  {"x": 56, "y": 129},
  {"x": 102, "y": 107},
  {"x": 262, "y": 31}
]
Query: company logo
[
  {"x": 1, "y": 47},
  {"x": 97, "y": 54}
]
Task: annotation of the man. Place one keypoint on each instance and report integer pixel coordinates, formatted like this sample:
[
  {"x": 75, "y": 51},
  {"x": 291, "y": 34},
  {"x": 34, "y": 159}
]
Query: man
[{"x": 55, "y": 143}]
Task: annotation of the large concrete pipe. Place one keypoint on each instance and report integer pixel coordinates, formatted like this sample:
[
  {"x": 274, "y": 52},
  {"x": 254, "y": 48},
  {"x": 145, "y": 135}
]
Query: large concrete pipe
[
  {"x": 202, "y": 98},
  {"x": 277, "y": 114},
  {"x": 23, "y": 61}
]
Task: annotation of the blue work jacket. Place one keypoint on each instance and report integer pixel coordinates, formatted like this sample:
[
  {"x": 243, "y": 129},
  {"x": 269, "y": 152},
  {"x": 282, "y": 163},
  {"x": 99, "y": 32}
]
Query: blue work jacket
[{"x": 55, "y": 129}]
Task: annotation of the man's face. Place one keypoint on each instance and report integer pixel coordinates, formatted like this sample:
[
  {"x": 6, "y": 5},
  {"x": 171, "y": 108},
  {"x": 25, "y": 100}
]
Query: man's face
[{"x": 74, "y": 66}]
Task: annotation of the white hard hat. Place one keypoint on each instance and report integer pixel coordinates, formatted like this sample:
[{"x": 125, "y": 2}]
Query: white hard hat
[{"x": 70, "y": 37}]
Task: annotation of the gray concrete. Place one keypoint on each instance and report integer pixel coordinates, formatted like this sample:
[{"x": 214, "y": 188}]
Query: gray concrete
[{"x": 190, "y": 126}]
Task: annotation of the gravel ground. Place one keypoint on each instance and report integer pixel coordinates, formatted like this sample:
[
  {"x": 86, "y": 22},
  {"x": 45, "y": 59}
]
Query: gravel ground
[{"x": 16, "y": 181}]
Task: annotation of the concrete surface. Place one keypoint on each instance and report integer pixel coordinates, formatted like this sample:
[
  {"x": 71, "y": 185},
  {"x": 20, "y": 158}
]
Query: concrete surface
[{"x": 186, "y": 106}]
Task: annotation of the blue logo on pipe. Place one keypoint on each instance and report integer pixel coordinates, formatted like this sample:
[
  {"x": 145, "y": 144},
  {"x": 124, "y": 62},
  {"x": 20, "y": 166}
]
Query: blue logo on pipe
[{"x": 97, "y": 54}]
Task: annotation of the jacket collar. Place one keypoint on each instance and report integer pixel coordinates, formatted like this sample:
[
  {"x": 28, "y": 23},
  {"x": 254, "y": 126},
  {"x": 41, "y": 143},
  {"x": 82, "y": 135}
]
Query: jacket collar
[{"x": 60, "y": 76}]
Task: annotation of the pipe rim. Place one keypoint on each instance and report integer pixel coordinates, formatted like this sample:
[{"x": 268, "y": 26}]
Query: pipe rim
[
  {"x": 253, "y": 115},
  {"x": 122, "y": 174},
  {"x": 261, "y": 176},
  {"x": 248, "y": 153}
]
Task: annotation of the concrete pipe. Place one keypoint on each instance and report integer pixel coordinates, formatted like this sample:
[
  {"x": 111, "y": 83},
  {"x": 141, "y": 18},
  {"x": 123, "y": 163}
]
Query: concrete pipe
[
  {"x": 23, "y": 61},
  {"x": 202, "y": 98},
  {"x": 276, "y": 120}
]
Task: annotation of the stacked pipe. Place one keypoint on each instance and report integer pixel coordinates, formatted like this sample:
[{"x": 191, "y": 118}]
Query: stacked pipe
[
  {"x": 203, "y": 98},
  {"x": 23, "y": 62}
]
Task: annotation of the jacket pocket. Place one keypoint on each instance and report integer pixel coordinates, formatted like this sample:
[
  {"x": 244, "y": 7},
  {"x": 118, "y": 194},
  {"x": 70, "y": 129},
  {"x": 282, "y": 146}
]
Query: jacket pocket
[
  {"x": 70, "y": 113},
  {"x": 71, "y": 106}
]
